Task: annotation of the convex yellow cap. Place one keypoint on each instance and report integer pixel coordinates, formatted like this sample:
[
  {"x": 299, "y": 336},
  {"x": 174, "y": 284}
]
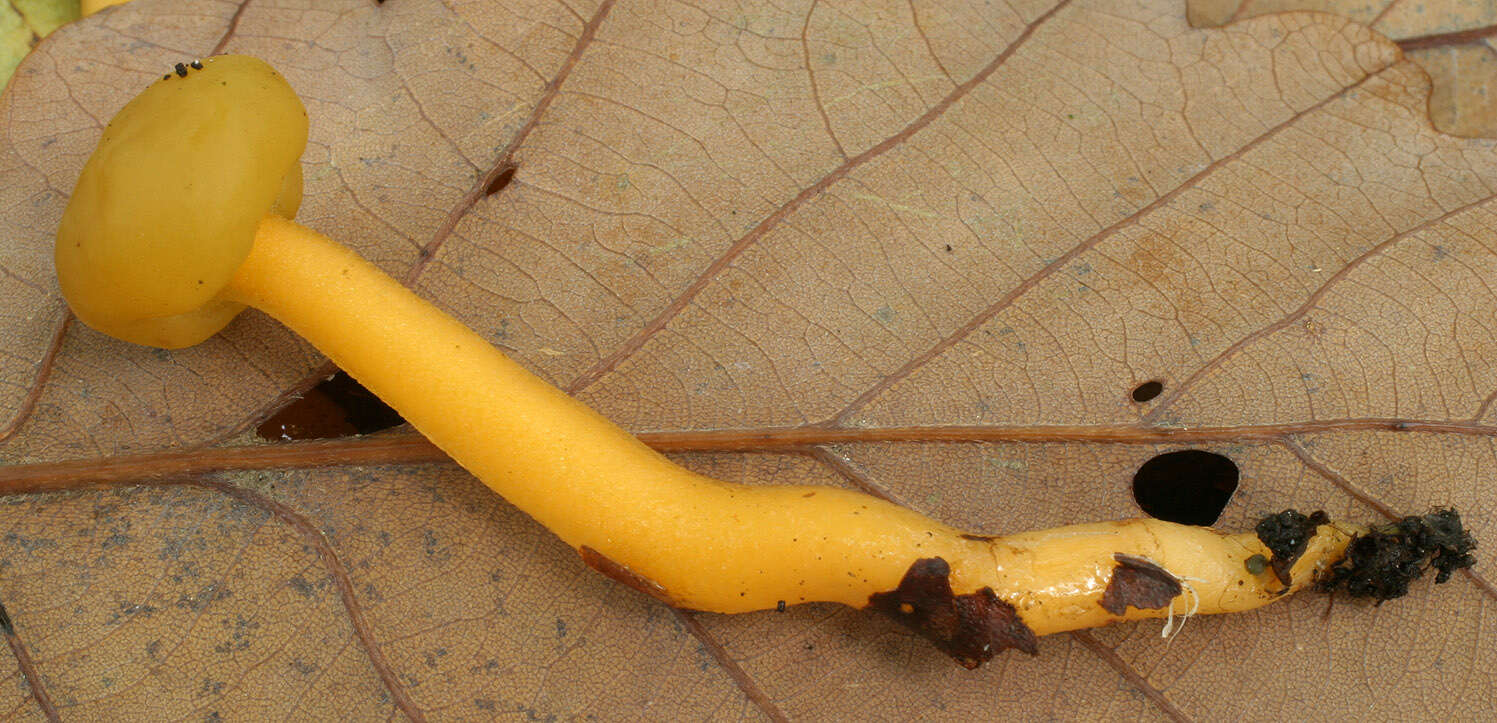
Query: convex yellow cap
[{"x": 166, "y": 208}]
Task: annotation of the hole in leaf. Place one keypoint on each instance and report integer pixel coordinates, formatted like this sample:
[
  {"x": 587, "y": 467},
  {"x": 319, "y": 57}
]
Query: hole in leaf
[
  {"x": 498, "y": 182},
  {"x": 1148, "y": 390},
  {"x": 338, "y": 407},
  {"x": 1190, "y": 487}
]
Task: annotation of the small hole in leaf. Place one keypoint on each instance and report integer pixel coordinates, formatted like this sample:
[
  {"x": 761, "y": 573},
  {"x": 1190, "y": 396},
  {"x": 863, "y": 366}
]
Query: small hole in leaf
[
  {"x": 1190, "y": 487},
  {"x": 1148, "y": 390},
  {"x": 338, "y": 407},
  {"x": 497, "y": 183}
]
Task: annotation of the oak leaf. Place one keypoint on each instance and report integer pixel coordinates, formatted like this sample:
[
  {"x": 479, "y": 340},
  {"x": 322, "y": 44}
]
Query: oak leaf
[
  {"x": 924, "y": 249},
  {"x": 1455, "y": 41}
]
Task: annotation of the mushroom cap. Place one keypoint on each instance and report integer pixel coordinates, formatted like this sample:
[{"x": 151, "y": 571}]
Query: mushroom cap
[{"x": 167, "y": 206}]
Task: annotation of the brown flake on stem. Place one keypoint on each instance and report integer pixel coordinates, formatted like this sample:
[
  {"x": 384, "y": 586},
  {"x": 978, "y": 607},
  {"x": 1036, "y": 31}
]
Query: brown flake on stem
[
  {"x": 971, "y": 628},
  {"x": 1138, "y": 583},
  {"x": 621, "y": 573}
]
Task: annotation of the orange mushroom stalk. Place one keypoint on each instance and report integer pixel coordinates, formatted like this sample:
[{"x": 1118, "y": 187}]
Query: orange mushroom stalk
[{"x": 181, "y": 219}]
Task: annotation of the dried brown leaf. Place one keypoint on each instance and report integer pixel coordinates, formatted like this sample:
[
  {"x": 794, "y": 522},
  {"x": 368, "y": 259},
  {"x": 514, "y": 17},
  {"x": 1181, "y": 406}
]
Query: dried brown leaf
[
  {"x": 1452, "y": 40},
  {"x": 922, "y": 249}
]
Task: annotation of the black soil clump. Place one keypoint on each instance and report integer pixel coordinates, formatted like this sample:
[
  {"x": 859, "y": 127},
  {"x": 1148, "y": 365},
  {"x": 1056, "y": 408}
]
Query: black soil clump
[
  {"x": 1381, "y": 564},
  {"x": 1286, "y": 535}
]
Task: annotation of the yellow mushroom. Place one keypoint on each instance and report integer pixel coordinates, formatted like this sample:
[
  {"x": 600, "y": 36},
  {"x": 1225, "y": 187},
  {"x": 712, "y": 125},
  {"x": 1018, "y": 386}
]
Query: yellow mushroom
[
  {"x": 181, "y": 218},
  {"x": 166, "y": 208}
]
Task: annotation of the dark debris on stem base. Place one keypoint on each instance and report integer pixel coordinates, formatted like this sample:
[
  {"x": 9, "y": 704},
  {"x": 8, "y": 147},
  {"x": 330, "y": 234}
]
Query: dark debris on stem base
[{"x": 1381, "y": 564}]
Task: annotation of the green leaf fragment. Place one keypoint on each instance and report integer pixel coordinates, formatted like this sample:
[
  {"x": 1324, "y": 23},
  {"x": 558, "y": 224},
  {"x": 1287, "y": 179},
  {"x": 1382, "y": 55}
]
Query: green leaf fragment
[{"x": 23, "y": 23}]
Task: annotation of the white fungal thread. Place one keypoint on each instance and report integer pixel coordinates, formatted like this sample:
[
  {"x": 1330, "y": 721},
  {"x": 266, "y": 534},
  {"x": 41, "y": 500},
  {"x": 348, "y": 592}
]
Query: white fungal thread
[{"x": 1170, "y": 631}]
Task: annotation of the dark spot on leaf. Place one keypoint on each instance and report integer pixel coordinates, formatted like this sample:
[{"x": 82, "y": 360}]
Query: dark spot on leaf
[
  {"x": 5, "y": 625},
  {"x": 433, "y": 546},
  {"x": 1147, "y": 391},
  {"x": 1189, "y": 487},
  {"x": 28, "y": 544},
  {"x": 130, "y": 610},
  {"x": 242, "y": 636},
  {"x": 300, "y": 584},
  {"x": 204, "y": 597},
  {"x": 971, "y": 628},
  {"x": 499, "y": 181},
  {"x": 1138, "y": 583}
]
